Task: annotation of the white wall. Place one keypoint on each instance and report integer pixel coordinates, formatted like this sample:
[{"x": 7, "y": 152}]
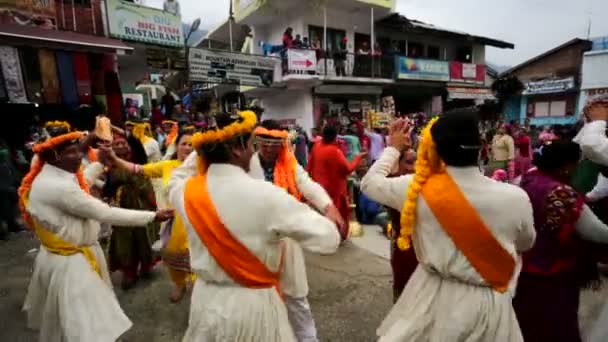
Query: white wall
[
  {"x": 595, "y": 70},
  {"x": 290, "y": 104}
]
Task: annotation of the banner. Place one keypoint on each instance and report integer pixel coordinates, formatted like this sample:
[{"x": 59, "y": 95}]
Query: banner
[
  {"x": 144, "y": 24},
  {"x": 470, "y": 93},
  {"x": 301, "y": 60},
  {"x": 226, "y": 67},
  {"x": 11, "y": 72},
  {"x": 467, "y": 73},
  {"x": 422, "y": 69},
  {"x": 549, "y": 86}
]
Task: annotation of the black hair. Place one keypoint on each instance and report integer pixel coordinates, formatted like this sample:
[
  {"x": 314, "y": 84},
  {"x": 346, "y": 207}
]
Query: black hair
[
  {"x": 138, "y": 152},
  {"x": 556, "y": 154},
  {"x": 220, "y": 153},
  {"x": 456, "y": 135},
  {"x": 271, "y": 125},
  {"x": 179, "y": 137},
  {"x": 330, "y": 133}
]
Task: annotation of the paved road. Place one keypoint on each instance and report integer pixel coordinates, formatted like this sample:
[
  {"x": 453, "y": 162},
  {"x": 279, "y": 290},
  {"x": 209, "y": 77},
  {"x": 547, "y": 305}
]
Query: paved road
[{"x": 350, "y": 293}]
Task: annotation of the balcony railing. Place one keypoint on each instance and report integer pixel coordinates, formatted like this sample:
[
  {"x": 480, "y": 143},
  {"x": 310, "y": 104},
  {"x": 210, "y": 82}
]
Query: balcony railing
[
  {"x": 342, "y": 64},
  {"x": 337, "y": 64}
]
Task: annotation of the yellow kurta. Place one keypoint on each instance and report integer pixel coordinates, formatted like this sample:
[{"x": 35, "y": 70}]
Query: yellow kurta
[{"x": 175, "y": 252}]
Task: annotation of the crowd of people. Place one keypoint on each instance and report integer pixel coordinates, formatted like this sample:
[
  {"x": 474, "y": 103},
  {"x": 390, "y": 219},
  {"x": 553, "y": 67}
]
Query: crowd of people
[{"x": 231, "y": 206}]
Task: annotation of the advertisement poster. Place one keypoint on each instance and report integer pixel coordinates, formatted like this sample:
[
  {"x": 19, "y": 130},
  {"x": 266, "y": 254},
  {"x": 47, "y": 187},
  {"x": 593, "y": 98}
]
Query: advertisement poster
[
  {"x": 144, "y": 24},
  {"x": 422, "y": 69},
  {"x": 301, "y": 61},
  {"x": 467, "y": 73},
  {"x": 213, "y": 66}
]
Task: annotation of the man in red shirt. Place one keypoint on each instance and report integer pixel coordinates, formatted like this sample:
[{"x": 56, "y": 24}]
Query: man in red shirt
[{"x": 329, "y": 167}]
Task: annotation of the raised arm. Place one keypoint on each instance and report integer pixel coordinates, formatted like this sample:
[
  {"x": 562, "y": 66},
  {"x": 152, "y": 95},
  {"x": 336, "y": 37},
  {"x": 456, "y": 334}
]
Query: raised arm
[
  {"x": 312, "y": 231},
  {"x": 589, "y": 227},
  {"x": 76, "y": 202},
  {"x": 593, "y": 142},
  {"x": 92, "y": 173},
  {"x": 600, "y": 190},
  {"x": 379, "y": 187}
]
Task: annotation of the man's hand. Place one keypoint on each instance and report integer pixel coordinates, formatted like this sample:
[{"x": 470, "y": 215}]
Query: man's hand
[
  {"x": 164, "y": 215},
  {"x": 332, "y": 213},
  {"x": 106, "y": 154},
  {"x": 400, "y": 134}
]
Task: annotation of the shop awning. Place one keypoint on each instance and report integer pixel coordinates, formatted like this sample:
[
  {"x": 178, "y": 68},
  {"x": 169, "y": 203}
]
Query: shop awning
[
  {"x": 54, "y": 39},
  {"x": 462, "y": 93}
]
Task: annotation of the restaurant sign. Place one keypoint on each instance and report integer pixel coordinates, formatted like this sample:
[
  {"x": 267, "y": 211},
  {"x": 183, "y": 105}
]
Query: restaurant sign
[
  {"x": 144, "y": 24},
  {"x": 549, "y": 86},
  {"x": 213, "y": 66},
  {"x": 422, "y": 69}
]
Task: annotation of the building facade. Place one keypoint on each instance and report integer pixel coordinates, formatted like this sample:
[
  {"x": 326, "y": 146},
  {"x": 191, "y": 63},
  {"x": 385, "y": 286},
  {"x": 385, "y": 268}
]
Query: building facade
[
  {"x": 358, "y": 53},
  {"x": 552, "y": 84}
]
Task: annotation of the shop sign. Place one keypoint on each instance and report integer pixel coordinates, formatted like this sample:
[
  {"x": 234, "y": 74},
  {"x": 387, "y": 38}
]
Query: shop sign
[
  {"x": 390, "y": 4},
  {"x": 144, "y": 24},
  {"x": 468, "y": 73},
  {"x": 549, "y": 86},
  {"x": 301, "y": 60},
  {"x": 422, "y": 69},
  {"x": 597, "y": 92},
  {"x": 469, "y": 93},
  {"x": 213, "y": 66}
]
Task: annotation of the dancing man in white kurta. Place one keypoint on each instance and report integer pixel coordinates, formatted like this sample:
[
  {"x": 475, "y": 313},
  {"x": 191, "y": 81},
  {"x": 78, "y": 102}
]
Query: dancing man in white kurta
[
  {"x": 70, "y": 296},
  {"x": 466, "y": 229},
  {"x": 276, "y": 163},
  {"x": 235, "y": 225}
]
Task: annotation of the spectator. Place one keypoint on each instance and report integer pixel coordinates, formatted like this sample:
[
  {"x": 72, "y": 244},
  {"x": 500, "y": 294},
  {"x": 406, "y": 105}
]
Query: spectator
[
  {"x": 156, "y": 117},
  {"x": 316, "y": 45},
  {"x": 364, "y": 49},
  {"x": 288, "y": 38},
  {"x": 179, "y": 115},
  {"x": 305, "y": 43},
  {"x": 297, "y": 43},
  {"x": 340, "y": 58},
  {"x": 167, "y": 102}
]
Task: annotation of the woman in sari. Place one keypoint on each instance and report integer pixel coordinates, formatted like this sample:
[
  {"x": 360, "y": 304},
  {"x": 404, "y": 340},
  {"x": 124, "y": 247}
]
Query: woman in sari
[
  {"x": 130, "y": 249},
  {"x": 175, "y": 252},
  {"x": 563, "y": 260}
]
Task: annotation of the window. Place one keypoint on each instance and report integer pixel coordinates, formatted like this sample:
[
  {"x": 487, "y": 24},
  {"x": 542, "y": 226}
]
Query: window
[
  {"x": 334, "y": 37},
  {"x": 551, "y": 106},
  {"x": 465, "y": 54},
  {"x": 433, "y": 52},
  {"x": 415, "y": 50}
]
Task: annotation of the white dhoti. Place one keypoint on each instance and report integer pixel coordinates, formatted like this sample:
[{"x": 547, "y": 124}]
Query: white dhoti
[
  {"x": 220, "y": 313},
  {"x": 67, "y": 301}
]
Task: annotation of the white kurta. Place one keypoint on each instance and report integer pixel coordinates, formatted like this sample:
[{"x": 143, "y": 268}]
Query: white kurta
[
  {"x": 294, "y": 282},
  {"x": 67, "y": 300},
  {"x": 259, "y": 215},
  {"x": 446, "y": 300}
]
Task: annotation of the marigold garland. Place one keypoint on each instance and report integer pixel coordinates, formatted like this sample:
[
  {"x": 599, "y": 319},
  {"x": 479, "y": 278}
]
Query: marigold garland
[
  {"x": 26, "y": 183},
  {"x": 272, "y": 133},
  {"x": 428, "y": 163},
  {"x": 58, "y": 124},
  {"x": 214, "y": 136}
]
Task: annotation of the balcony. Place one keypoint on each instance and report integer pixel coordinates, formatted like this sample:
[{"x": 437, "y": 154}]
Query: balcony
[{"x": 310, "y": 67}]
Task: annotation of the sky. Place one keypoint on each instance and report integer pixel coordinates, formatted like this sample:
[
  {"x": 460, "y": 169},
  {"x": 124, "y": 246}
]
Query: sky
[{"x": 534, "y": 26}]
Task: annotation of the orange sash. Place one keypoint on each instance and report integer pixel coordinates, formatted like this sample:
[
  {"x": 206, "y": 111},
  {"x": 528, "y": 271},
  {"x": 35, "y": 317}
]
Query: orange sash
[
  {"x": 468, "y": 231},
  {"x": 230, "y": 254}
]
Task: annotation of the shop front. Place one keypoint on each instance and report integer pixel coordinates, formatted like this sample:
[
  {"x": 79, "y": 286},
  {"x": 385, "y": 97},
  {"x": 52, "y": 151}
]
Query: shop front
[
  {"x": 60, "y": 70},
  {"x": 550, "y": 102}
]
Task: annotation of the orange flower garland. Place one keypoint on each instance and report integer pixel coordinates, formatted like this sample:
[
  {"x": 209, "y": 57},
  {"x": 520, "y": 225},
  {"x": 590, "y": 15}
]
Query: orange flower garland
[
  {"x": 285, "y": 167},
  {"x": 214, "y": 136},
  {"x": 26, "y": 183},
  {"x": 427, "y": 164}
]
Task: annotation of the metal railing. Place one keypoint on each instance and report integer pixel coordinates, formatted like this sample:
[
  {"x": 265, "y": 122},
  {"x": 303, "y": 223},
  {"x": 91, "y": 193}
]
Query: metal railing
[{"x": 341, "y": 64}]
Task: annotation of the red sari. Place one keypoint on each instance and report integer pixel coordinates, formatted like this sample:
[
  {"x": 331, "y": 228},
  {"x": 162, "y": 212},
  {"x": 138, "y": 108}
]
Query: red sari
[{"x": 329, "y": 167}]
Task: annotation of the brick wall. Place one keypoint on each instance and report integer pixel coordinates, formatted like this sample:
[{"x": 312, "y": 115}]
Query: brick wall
[
  {"x": 84, "y": 17},
  {"x": 563, "y": 63}
]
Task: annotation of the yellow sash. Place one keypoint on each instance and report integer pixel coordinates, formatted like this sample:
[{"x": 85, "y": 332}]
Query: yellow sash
[{"x": 55, "y": 245}]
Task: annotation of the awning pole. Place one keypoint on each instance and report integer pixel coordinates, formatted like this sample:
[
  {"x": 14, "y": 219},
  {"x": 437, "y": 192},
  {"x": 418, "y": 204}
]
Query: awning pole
[
  {"x": 325, "y": 28},
  {"x": 371, "y": 43}
]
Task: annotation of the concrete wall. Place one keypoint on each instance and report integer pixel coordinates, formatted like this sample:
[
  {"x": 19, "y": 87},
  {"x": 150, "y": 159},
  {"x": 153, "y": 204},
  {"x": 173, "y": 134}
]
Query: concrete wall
[{"x": 290, "y": 104}]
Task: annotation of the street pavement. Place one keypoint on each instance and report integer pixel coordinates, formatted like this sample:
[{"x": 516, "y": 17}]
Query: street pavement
[{"x": 350, "y": 292}]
